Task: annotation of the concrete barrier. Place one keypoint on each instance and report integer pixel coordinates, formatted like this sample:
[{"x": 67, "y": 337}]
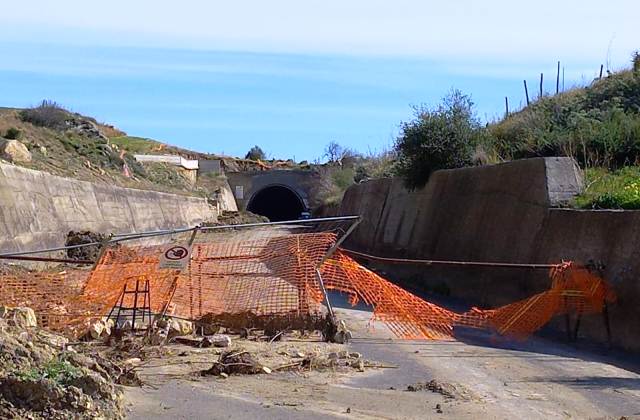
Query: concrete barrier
[
  {"x": 501, "y": 213},
  {"x": 37, "y": 209}
]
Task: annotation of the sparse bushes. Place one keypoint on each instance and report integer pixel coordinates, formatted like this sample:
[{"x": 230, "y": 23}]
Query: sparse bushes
[
  {"x": 618, "y": 189},
  {"x": 598, "y": 125},
  {"x": 256, "y": 153},
  {"x": 48, "y": 114},
  {"x": 439, "y": 138},
  {"x": 336, "y": 153}
]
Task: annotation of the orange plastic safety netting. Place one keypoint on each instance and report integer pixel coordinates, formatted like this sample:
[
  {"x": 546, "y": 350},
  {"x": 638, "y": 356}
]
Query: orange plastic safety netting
[{"x": 274, "y": 273}]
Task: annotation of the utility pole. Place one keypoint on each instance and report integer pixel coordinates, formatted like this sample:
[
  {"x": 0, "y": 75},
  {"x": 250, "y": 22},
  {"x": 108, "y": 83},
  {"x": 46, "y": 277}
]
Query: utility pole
[{"x": 526, "y": 92}]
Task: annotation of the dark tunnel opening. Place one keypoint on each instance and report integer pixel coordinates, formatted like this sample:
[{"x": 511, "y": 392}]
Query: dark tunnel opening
[{"x": 278, "y": 203}]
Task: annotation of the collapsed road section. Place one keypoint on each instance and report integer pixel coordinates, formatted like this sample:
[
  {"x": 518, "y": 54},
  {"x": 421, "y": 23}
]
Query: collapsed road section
[{"x": 206, "y": 287}]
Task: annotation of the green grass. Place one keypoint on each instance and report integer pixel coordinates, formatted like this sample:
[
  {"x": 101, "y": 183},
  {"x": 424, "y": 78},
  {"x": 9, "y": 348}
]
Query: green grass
[
  {"x": 59, "y": 371},
  {"x": 136, "y": 144},
  {"x": 606, "y": 189}
]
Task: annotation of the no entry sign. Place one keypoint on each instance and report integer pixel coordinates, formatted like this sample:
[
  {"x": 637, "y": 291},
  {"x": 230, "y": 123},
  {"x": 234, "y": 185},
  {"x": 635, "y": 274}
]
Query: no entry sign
[{"x": 175, "y": 257}]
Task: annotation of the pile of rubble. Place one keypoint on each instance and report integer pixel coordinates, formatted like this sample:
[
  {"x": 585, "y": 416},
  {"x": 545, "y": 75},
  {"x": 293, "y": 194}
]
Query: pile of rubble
[{"x": 42, "y": 376}]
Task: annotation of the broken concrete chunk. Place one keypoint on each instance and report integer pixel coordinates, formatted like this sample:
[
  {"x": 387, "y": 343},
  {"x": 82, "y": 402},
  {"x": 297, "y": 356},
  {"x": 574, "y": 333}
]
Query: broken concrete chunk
[
  {"x": 96, "y": 329},
  {"x": 216, "y": 340},
  {"x": 180, "y": 327},
  {"x": 22, "y": 317}
]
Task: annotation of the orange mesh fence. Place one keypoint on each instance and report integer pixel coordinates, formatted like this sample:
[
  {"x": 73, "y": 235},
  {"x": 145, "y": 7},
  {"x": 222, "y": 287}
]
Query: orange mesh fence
[
  {"x": 47, "y": 293},
  {"x": 273, "y": 272}
]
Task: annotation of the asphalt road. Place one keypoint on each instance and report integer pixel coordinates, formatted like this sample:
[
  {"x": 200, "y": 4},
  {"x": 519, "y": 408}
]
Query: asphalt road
[{"x": 490, "y": 377}]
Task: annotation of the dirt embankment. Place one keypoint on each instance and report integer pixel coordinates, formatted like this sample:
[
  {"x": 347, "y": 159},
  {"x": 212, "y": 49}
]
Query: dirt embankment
[{"x": 43, "y": 377}]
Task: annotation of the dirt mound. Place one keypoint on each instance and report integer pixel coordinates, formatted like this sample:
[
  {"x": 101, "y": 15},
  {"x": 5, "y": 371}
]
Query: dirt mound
[
  {"x": 41, "y": 377},
  {"x": 238, "y": 218},
  {"x": 87, "y": 252},
  {"x": 447, "y": 390}
]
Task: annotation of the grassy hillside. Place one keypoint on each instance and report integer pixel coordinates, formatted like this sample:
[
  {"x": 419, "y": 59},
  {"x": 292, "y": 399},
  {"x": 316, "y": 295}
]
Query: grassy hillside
[
  {"x": 72, "y": 145},
  {"x": 598, "y": 125}
]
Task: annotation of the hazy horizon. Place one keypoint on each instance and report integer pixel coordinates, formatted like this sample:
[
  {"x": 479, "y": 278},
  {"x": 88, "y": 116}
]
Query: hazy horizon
[{"x": 291, "y": 77}]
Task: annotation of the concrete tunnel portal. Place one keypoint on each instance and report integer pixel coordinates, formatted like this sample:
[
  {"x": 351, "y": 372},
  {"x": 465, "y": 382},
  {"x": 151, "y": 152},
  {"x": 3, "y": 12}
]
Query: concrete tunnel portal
[{"x": 278, "y": 203}]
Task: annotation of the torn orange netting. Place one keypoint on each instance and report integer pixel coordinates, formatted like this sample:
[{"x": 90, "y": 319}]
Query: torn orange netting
[{"x": 275, "y": 274}]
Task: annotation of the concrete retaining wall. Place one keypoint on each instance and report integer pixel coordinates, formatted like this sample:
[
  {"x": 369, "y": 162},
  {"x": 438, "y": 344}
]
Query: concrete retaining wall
[
  {"x": 37, "y": 209},
  {"x": 501, "y": 213}
]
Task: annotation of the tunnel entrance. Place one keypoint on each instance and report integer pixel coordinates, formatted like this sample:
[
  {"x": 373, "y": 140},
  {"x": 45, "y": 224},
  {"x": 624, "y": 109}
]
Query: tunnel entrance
[{"x": 277, "y": 202}]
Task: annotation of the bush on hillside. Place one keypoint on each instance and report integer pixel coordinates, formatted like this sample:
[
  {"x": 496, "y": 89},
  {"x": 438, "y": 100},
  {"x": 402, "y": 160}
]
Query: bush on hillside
[
  {"x": 48, "y": 114},
  {"x": 439, "y": 138},
  {"x": 13, "y": 134},
  {"x": 256, "y": 153},
  {"x": 598, "y": 125}
]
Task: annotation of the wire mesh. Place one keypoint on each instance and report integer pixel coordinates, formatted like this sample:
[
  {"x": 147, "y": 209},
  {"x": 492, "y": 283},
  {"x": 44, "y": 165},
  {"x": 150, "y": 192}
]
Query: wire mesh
[{"x": 270, "y": 271}]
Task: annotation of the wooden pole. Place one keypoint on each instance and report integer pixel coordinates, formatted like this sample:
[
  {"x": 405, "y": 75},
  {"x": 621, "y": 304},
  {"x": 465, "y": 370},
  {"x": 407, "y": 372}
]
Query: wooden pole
[
  {"x": 541, "y": 78},
  {"x": 558, "y": 79},
  {"x": 506, "y": 106},
  {"x": 526, "y": 92},
  {"x": 601, "y": 68}
]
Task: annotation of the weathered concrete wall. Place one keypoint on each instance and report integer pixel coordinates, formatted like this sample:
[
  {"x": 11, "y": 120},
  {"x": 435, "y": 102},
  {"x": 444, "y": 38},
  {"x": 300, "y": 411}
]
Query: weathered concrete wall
[
  {"x": 501, "y": 213},
  {"x": 37, "y": 209}
]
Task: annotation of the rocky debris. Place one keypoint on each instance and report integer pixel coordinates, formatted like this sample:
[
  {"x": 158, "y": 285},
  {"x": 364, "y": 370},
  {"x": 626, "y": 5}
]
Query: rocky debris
[
  {"x": 89, "y": 253},
  {"x": 100, "y": 328},
  {"x": 19, "y": 317},
  {"x": 216, "y": 340},
  {"x": 14, "y": 151},
  {"x": 343, "y": 335},
  {"x": 236, "y": 362},
  {"x": 178, "y": 327},
  {"x": 445, "y": 389},
  {"x": 84, "y": 127},
  {"x": 237, "y": 218},
  {"x": 41, "y": 377}
]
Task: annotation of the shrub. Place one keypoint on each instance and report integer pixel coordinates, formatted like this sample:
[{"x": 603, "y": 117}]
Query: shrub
[
  {"x": 13, "y": 134},
  {"x": 256, "y": 153},
  {"x": 598, "y": 125},
  {"x": 439, "y": 138},
  {"x": 48, "y": 114},
  {"x": 619, "y": 189}
]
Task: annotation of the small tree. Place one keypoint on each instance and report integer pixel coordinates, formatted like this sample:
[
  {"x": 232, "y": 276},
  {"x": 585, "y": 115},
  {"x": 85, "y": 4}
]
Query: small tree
[
  {"x": 335, "y": 153},
  {"x": 256, "y": 153},
  {"x": 439, "y": 138}
]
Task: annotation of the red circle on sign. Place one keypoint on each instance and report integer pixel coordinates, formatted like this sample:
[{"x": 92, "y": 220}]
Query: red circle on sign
[{"x": 176, "y": 253}]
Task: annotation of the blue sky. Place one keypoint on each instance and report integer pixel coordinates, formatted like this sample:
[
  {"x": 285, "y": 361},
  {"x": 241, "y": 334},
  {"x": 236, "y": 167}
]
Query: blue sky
[{"x": 291, "y": 76}]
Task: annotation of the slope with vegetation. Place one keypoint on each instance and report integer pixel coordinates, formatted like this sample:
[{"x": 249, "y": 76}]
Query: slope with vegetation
[
  {"x": 71, "y": 145},
  {"x": 598, "y": 125}
]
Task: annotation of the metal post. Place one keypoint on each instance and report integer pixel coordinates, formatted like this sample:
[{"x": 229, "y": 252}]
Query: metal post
[
  {"x": 558, "y": 79},
  {"x": 135, "y": 305},
  {"x": 541, "y": 78},
  {"x": 324, "y": 293},
  {"x": 339, "y": 242},
  {"x": 174, "y": 285}
]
